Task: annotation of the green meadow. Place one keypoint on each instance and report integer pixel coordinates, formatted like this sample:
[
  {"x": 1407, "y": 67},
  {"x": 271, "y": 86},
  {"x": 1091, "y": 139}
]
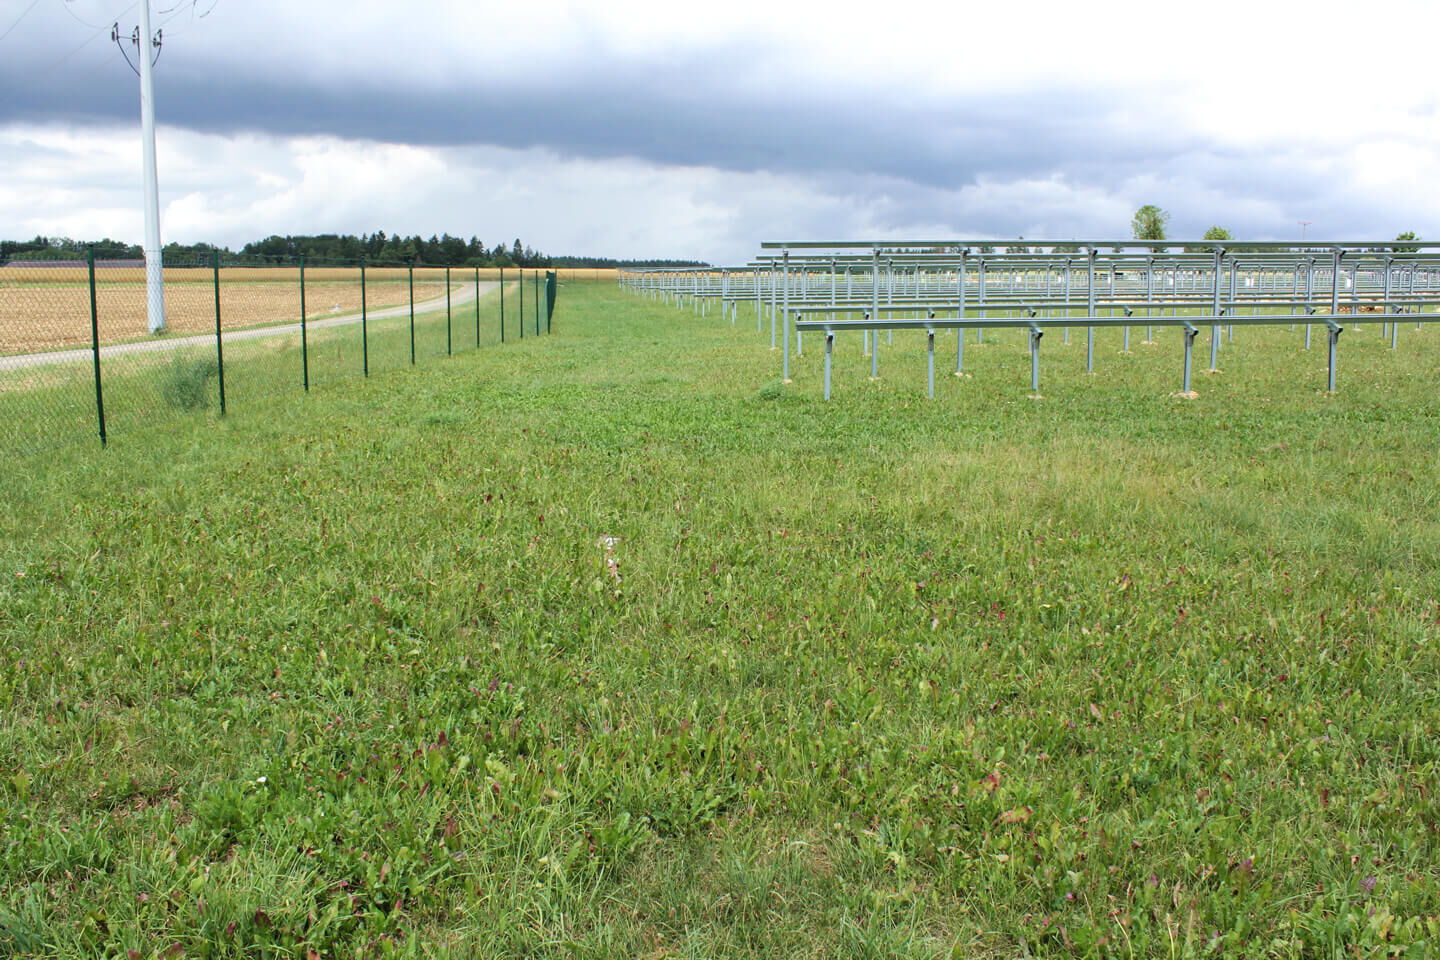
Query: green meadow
[
  {"x": 607, "y": 644},
  {"x": 53, "y": 405}
]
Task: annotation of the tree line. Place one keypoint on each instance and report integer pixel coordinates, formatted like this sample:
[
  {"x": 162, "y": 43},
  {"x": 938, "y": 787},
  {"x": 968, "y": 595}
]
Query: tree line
[
  {"x": 442, "y": 251},
  {"x": 1151, "y": 223},
  {"x": 63, "y": 248}
]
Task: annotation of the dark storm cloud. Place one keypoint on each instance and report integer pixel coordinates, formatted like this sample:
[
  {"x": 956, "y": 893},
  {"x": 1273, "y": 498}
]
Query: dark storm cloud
[
  {"x": 916, "y": 152},
  {"x": 665, "y": 113}
]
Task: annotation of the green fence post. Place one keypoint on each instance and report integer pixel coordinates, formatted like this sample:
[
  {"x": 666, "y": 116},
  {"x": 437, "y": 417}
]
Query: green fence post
[
  {"x": 537, "y": 302},
  {"x": 364, "y": 324},
  {"x": 412, "y": 313},
  {"x": 448, "y": 350},
  {"x": 477, "y": 308},
  {"x": 521, "y": 288},
  {"x": 95, "y": 346},
  {"x": 552, "y": 282},
  {"x": 304, "y": 334},
  {"x": 502, "y": 304},
  {"x": 219, "y": 342}
]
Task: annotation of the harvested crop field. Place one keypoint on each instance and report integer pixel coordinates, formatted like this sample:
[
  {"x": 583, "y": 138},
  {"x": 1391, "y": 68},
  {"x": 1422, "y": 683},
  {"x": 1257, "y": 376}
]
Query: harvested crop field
[{"x": 50, "y": 309}]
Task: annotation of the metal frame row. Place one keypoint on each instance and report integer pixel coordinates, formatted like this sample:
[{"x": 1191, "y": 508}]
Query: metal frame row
[{"x": 834, "y": 287}]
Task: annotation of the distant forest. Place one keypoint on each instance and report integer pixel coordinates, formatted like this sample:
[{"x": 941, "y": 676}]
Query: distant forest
[{"x": 379, "y": 247}]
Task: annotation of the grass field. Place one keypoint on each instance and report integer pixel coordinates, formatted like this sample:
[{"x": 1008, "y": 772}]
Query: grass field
[
  {"x": 51, "y": 405},
  {"x": 608, "y": 645}
]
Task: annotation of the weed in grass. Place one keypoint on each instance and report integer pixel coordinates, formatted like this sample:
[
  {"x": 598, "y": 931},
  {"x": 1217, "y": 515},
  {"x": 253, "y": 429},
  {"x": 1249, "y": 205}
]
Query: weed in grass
[
  {"x": 23, "y": 929},
  {"x": 772, "y": 390},
  {"x": 186, "y": 383}
]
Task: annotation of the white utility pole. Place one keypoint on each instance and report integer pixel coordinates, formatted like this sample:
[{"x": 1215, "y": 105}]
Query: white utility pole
[{"x": 154, "y": 266}]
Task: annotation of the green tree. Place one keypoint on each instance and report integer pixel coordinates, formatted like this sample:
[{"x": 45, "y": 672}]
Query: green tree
[
  {"x": 452, "y": 250},
  {"x": 1149, "y": 223},
  {"x": 1217, "y": 233},
  {"x": 1407, "y": 235}
]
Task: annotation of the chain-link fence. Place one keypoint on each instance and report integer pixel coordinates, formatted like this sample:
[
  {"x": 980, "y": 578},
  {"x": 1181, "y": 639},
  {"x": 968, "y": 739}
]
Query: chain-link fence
[{"x": 78, "y": 359}]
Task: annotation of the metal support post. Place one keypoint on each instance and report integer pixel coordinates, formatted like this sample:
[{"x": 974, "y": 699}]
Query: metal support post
[
  {"x": 1035, "y": 334},
  {"x": 785, "y": 318},
  {"x": 304, "y": 334},
  {"x": 890, "y": 299},
  {"x": 364, "y": 324},
  {"x": 759, "y": 313},
  {"x": 960, "y": 315},
  {"x": 1334, "y": 297},
  {"x": 980, "y": 291},
  {"x": 774, "y": 305},
  {"x": 1335, "y": 330},
  {"x": 829, "y": 351},
  {"x": 874, "y": 352},
  {"x": 1387, "y": 309},
  {"x": 219, "y": 342},
  {"x": 874, "y": 307},
  {"x": 1149, "y": 295},
  {"x": 1309, "y": 293},
  {"x": 1069, "y": 277},
  {"x": 1190, "y": 333},
  {"x": 1234, "y": 276},
  {"x": 930, "y": 362},
  {"x": 1215, "y": 307},
  {"x": 1090, "y": 311}
]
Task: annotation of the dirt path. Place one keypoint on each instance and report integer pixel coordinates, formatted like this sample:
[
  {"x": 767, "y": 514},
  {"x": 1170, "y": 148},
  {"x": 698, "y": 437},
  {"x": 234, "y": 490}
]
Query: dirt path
[{"x": 461, "y": 293}]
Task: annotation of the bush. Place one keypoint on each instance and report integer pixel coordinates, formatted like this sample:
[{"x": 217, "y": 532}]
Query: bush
[{"x": 187, "y": 383}]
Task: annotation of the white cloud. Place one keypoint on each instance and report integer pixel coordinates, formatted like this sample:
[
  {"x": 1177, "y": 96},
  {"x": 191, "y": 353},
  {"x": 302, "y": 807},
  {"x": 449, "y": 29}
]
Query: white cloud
[{"x": 230, "y": 189}]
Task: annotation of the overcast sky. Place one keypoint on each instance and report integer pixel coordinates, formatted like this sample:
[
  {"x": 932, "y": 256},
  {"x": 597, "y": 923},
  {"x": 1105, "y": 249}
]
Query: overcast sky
[{"x": 637, "y": 129}]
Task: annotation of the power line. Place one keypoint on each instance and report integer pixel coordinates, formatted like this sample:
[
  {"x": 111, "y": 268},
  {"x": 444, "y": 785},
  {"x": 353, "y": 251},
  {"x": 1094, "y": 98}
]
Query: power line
[
  {"x": 10, "y": 29},
  {"x": 99, "y": 32},
  {"x": 181, "y": 8},
  {"x": 65, "y": 5}
]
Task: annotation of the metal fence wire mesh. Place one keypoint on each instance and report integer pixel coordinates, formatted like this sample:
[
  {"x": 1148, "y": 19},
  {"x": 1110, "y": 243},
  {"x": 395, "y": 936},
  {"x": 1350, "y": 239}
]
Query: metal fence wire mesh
[{"x": 78, "y": 359}]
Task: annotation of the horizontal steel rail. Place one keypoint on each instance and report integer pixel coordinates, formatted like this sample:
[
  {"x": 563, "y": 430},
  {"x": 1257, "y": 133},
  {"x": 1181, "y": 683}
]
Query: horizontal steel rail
[
  {"x": 1122, "y": 244},
  {"x": 814, "y": 286},
  {"x": 1025, "y": 323}
]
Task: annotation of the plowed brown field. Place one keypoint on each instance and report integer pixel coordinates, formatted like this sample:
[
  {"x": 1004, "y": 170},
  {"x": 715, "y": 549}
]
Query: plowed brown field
[{"x": 48, "y": 308}]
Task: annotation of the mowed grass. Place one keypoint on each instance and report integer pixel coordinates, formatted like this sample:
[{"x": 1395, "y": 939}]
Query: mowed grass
[
  {"x": 608, "y": 645},
  {"x": 53, "y": 405}
]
